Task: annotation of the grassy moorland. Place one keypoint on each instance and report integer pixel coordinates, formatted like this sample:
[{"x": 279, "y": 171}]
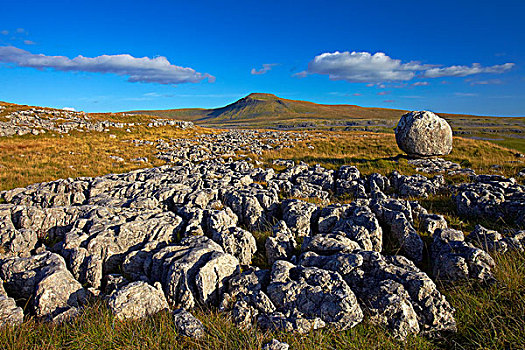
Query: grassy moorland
[
  {"x": 269, "y": 111},
  {"x": 491, "y": 317}
]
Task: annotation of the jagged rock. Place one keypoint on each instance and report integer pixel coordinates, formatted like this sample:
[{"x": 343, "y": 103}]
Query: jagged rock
[
  {"x": 221, "y": 228},
  {"x": 491, "y": 197},
  {"x": 276, "y": 345},
  {"x": 111, "y": 235},
  {"x": 10, "y": 313},
  {"x": 493, "y": 241},
  {"x": 193, "y": 272},
  {"x": 293, "y": 322},
  {"x": 372, "y": 275},
  {"x": 114, "y": 282},
  {"x": 188, "y": 325},
  {"x": 313, "y": 293},
  {"x": 327, "y": 244},
  {"x": 246, "y": 297},
  {"x": 253, "y": 206},
  {"x": 354, "y": 221},
  {"x": 397, "y": 215},
  {"x": 346, "y": 180},
  {"x": 298, "y": 215},
  {"x": 13, "y": 241},
  {"x": 281, "y": 244},
  {"x": 137, "y": 300},
  {"x": 416, "y": 185},
  {"x": 453, "y": 259},
  {"x": 423, "y": 134},
  {"x": 434, "y": 165},
  {"x": 44, "y": 280},
  {"x": 237, "y": 242},
  {"x": 389, "y": 304},
  {"x": 429, "y": 223}
]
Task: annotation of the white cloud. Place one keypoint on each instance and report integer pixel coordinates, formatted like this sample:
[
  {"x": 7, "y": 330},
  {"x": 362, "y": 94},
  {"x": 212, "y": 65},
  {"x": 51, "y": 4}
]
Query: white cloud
[
  {"x": 465, "y": 94},
  {"x": 70, "y": 109},
  {"x": 362, "y": 67},
  {"x": 421, "y": 83},
  {"x": 146, "y": 70},
  {"x": 29, "y": 42},
  {"x": 4, "y": 32},
  {"x": 266, "y": 68},
  {"x": 377, "y": 68},
  {"x": 463, "y": 71}
]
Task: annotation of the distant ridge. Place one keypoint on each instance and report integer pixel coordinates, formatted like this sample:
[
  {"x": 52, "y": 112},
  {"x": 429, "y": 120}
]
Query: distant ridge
[{"x": 268, "y": 110}]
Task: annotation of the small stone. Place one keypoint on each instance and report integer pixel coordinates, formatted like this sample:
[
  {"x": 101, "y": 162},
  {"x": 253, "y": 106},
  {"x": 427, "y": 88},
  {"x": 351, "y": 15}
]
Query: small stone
[
  {"x": 276, "y": 345},
  {"x": 188, "y": 325}
]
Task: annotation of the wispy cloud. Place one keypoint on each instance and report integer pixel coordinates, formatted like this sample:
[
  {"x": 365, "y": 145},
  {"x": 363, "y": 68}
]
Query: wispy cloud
[
  {"x": 377, "y": 68},
  {"x": 29, "y": 42},
  {"x": 420, "y": 83},
  {"x": 485, "y": 82},
  {"x": 21, "y": 31},
  {"x": 465, "y": 94},
  {"x": 144, "y": 69},
  {"x": 383, "y": 93},
  {"x": 4, "y": 32},
  {"x": 463, "y": 71},
  {"x": 265, "y": 69},
  {"x": 300, "y": 75},
  {"x": 389, "y": 101}
]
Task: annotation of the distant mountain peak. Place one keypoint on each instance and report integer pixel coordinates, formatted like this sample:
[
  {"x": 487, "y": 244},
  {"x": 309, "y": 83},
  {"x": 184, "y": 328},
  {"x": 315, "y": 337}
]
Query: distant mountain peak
[{"x": 261, "y": 96}]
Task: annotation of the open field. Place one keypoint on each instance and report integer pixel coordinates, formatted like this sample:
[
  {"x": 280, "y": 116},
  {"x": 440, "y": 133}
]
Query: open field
[{"x": 270, "y": 111}]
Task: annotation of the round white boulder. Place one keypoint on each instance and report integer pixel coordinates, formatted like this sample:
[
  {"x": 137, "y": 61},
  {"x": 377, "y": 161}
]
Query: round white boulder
[{"x": 424, "y": 134}]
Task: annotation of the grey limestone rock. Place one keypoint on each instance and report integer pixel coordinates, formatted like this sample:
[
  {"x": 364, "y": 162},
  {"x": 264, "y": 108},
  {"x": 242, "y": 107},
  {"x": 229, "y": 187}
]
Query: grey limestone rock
[
  {"x": 397, "y": 214},
  {"x": 188, "y": 325},
  {"x": 137, "y": 300},
  {"x": 423, "y": 134},
  {"x": 354, "y": 221},
  {"x": 44, "y": 280},
  {"x": 297, "y": 215},
  {"x": 382, "y": 283},
  {"x": 10, "y": 313},
  {"x": 492, "y": 241},
  {"x": 281, "y": 244},
  {"x": 193, "y": 272},
  {"x": 276, "y": 345},
  {"x": 453, "y": 259},
  {"x": 314, "y": 293}
]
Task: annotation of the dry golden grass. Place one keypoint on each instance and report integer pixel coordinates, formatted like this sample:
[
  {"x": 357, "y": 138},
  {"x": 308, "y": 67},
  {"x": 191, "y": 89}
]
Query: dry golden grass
[
  {"x": 28, "y": 159},
  {"x": 378, "y": 152}
]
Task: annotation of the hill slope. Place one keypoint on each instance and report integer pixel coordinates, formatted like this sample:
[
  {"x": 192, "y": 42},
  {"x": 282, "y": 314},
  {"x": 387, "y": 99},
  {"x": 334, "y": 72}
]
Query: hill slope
[{"x": 259, "y": 109}]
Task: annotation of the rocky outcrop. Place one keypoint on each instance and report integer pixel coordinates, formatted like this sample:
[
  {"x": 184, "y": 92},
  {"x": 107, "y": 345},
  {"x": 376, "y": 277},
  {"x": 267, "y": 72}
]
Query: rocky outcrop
[
  {"x": 45, "y": 282},
  {"x": 391, "y": 290},
  {"x": 453, "y": 259},
  {"x": 491, "y": 197},
  {"x": 194, "y": 272},
  {"x": 423, "y": 134},
  {"x": 137, "y": 300},
  {"x": 10, "y": 313},
  {"x": 183, "y": 236}
]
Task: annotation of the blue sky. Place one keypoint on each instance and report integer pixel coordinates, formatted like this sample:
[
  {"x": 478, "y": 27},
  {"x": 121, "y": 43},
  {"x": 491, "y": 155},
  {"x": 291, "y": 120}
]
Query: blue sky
[{"x": 446, "y": 56}]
